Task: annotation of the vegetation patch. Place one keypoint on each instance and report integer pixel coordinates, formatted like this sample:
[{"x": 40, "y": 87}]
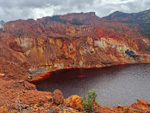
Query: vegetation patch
[
  {"x": 89, "y": 102},
  {"x": 74, "y": 21}
]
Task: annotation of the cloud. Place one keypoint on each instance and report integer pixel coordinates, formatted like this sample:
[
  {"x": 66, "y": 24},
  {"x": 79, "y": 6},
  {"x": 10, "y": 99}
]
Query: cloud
[
  {"x": 24, "y": 9},
  {"x": 42, "y": 12}
]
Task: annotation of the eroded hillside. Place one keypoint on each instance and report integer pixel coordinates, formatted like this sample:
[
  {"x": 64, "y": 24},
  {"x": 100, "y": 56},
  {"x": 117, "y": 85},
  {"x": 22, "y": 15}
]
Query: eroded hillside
[{"x": 29, "y": 48}]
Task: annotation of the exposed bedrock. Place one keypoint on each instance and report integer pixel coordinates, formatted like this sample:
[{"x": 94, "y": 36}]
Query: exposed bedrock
[
  {"x": 41, "y": 55},
  {"x": 31, "y": 48}
]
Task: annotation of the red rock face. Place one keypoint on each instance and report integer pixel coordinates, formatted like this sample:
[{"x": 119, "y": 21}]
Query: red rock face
[
  {"x": 34, "y": 47},
  {"x": 31, "y": 48}
]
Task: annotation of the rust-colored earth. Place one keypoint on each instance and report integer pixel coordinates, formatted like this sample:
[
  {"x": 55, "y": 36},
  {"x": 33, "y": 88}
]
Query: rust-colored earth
[{"x": 29, "y": 49}]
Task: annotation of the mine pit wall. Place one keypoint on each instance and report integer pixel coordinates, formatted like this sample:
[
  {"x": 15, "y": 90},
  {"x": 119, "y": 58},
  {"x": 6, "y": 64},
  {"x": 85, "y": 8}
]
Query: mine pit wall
[{"x": 47, "y": 54}]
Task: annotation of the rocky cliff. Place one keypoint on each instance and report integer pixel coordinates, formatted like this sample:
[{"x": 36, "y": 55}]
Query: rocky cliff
[{"x": 30, "y": 48}]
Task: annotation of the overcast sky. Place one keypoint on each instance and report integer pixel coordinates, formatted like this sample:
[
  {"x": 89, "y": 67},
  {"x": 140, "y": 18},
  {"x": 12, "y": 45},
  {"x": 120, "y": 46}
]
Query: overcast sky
[{"x": 24, "y": 9}]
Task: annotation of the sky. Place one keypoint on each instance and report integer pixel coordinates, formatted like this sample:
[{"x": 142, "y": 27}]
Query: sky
[{"x": 25, "y": 9}]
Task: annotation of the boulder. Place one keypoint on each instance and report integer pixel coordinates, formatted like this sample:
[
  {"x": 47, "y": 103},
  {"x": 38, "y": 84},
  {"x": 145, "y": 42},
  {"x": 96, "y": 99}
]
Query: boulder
[
  {"x": 75, "y": 102},
  {"x": 58, "y": 97}
]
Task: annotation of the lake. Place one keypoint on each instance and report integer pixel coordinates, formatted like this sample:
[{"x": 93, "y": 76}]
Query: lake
[{"x": 114, "y": 85}]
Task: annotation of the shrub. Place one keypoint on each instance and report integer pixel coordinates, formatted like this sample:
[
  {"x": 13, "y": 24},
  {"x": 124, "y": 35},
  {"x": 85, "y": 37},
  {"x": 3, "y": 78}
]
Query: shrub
[
  {"x": 57, "y": 18},
  {"x": 89, "y": 103},
  {"x": 76, "y": 22}
]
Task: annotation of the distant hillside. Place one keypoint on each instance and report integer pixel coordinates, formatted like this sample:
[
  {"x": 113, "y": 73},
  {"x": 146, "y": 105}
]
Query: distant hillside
[{"x": 141, "y": 18}]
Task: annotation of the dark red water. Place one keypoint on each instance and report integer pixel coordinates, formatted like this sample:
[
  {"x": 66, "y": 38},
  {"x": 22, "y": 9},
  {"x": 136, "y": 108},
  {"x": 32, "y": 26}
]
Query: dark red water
[{"x": 114, "y": 85}]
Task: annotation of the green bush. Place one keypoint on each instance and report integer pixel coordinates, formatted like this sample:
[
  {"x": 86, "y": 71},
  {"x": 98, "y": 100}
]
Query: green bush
[
  {"x": 76, "y": 22},
  {"x": 90, "y": 105}
]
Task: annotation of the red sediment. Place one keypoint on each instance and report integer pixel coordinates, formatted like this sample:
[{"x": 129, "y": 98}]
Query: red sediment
[
  {"x": 81, "y": 76},
  {"x": 48, "y": 74},
  {"x": 42, "y": 77}
]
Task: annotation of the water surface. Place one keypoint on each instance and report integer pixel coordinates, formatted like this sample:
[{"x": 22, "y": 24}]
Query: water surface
[{"x": 114, "y": 85}]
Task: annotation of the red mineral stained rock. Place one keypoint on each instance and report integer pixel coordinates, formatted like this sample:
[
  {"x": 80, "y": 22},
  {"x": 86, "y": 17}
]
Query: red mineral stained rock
[
  {"x": 31, "y": 48},
  {"x": 58, "y": 97},
  {"x": 142, "y": 105},
  {"x": 74, "y": 101},
  {"x": 77, "y": 40}
]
